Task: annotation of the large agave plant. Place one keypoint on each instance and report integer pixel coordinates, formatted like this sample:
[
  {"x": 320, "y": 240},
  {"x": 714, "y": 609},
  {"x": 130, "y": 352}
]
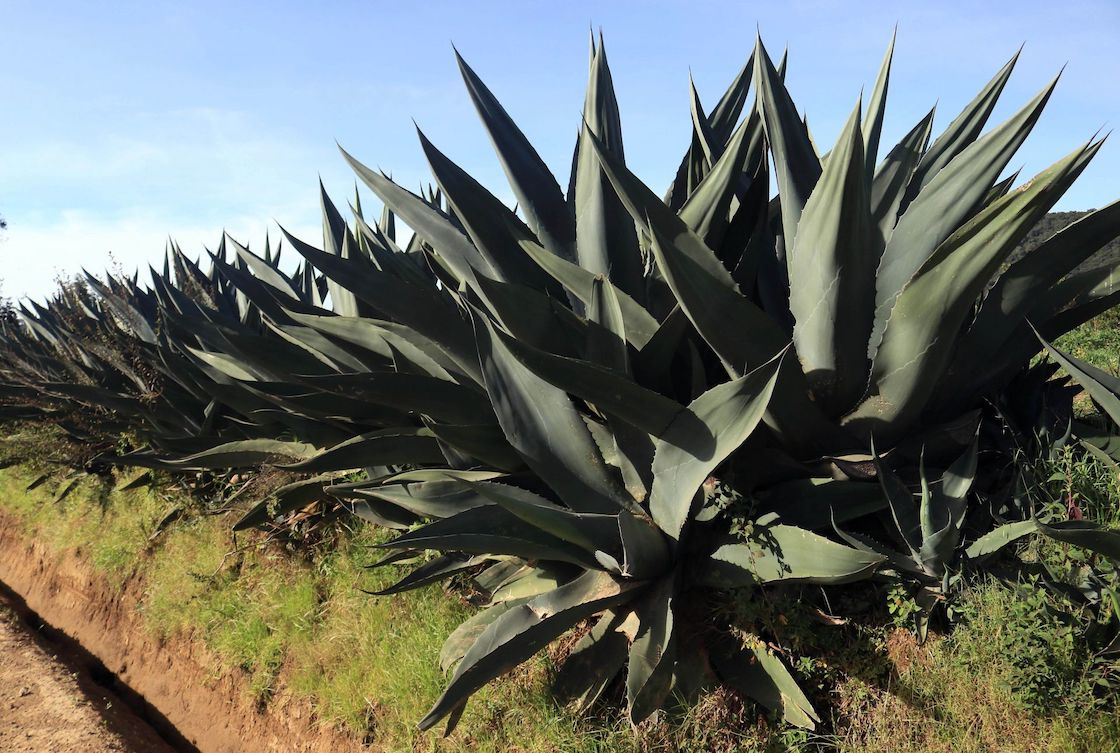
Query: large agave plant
[
  {"x": 606, "y": 403},
  {"x": 608, "y": 309}
]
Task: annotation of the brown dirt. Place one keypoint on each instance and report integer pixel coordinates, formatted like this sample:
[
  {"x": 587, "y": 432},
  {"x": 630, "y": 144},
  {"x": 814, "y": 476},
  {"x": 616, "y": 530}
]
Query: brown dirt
[
  {"x": 211, "y": 711},
  {"x": 904, "y": 651},
  {"x": 48, "y": 704}
]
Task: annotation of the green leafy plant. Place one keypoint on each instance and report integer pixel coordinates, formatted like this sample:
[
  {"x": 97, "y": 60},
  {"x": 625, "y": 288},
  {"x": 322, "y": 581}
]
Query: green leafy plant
[{"x": 606, "y": 404}]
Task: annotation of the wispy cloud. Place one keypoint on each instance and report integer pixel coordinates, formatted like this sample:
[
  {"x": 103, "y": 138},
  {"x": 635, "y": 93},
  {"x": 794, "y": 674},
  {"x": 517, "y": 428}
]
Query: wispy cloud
[{"x": 188, "y": 174}]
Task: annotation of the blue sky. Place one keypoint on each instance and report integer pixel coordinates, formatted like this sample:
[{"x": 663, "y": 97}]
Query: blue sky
[{"x": 125, "y": 123}]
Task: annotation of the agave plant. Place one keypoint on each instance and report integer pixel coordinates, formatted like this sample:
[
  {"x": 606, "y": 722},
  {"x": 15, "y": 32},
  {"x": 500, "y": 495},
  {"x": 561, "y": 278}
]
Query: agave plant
[
  {"x": 880, "y": 274},
  {"x": 605, "y": 403}
]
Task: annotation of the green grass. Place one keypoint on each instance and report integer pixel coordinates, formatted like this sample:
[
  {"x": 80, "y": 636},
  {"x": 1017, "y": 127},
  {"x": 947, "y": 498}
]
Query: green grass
[
  {"x": 111, "y": 531},
  {"x": 1097, "y": 341},
  {"x": 301, "y": 622},
  {"x": 1011, "y": 677}
]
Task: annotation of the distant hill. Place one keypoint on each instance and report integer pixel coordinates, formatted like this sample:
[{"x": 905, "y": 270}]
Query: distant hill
[{"x": 1052, "y": 223}]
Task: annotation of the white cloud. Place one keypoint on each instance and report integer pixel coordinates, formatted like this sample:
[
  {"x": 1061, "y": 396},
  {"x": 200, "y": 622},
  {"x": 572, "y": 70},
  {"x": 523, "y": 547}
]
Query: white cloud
[{"x": 187, "y": 174}]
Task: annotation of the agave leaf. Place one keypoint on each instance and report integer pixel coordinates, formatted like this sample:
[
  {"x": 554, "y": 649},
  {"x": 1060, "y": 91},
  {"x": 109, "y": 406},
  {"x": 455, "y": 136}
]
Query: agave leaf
[
  {"x": 492, "y": 530},
  {"x": 503, "y": 569},
  {"x": 701, "y": 438},
  {"x": 229, "y": 366},
  {"x": 438, "y": 398},
  {"x": 463, "y": 637},
  {"x": 815, "y": 503},
  {"x": 531, "y": 581},
  {"x": 701, "y": 130},
  {"x": 438, "y": 569},
  {"x": 319, "y": 346},
  {"x": 127, "y": 314},
  {"x": 644, "y": 549},
  {"x": 337, "y": 241},
  {"x": 422, "y": 310},
  {"x": 606, "y": 335},
  {"x": 495, "y": 230},
  {"x": 720, "y": 123},
  {"x": 796, "y": 163},
  {"x": 606, "y": 240},
  {"x": 962, "y": 132},
  {"x": 593, "y": 532},
  {"x": 429, "y": 223},
  {"x": 1103, "y": 387},
  {"x": 594, "y": 662},
  {"x": 430, "y": 499},
  {"x": 919, "y": 338},
  {"x": 747, "y": 238},
  {"x": 1018, "y": 289},
  {"x": 943, "y": 508},
  {"x": 1097, "y": 292},
  {"x": 1084, "y": 534},
  {"x": 760, "y": 675},
  {"x": 724, "y": 116},
  {"x": 532, "y": 317},
  {"x": 538, "y": 194},
  {"x": 894, "y": 174},
  {"x": 1080, "y": 533},
  {"x": 708, "y": 206},
  {"x": 244, "y": 453},
  {"x": 832, "y": 275},
  {"x": 284, "y": 500},
  {"x": 950, "y": 197},
  {"x": 999, "y": 190},
  {"x": 483, "y": 442},
  {"x": 640, "y": 325},
  {"x": 1100, "y": 450},
  {"x": 262, "y": 269},
  {"x": 787, "y": 553},
  {"x": 702, "y": 285},
  {"x": 784, "y": 694},
  {"x": 876, "y": 108},
  {"x": 607, "y": 389},
  {"x": 522, "y": 631},
  {"x": 434, "y": 474},
  {"x": 541, "y": 423},
  {"x": 381, "y": 447},
  {"x": 711, "y": 300},
  {"x": 653, "y": 653},
  {"x": 901, "y": 502},
  {"x": 699, "y": 158},
  {"x": 1067, "y": 305},
  {"x": 631, "y": 447},
  {"x": 1000, "y": 537},
  {"x": 383, "y": 338}
]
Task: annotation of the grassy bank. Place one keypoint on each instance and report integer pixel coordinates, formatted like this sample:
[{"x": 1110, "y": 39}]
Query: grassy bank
[
  {"x": 300, "y": 621},
  {"x": 296, "y": 621}
]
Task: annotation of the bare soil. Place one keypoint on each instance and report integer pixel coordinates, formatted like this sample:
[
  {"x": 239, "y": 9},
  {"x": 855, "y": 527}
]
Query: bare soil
[
  {"x": 51, "y": 704},
  {"x": 198, "y": 706}
]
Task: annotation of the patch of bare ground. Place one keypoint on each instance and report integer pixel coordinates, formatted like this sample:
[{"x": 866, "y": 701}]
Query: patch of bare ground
[
  {"x": 50, "y": 704},
  {"x": 210, "y": 711}
]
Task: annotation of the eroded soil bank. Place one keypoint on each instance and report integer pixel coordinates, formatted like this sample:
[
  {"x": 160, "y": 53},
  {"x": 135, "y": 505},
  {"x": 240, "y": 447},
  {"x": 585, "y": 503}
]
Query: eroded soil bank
[
  {"x": 57, "y": 700},
  {"x": 195, "y": 705}
]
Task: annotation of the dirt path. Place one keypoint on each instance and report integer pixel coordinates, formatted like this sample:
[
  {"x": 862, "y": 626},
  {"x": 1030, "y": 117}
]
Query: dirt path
[
  {"x": 49, "y": 703},
  {"x": 172, "y": 683}
]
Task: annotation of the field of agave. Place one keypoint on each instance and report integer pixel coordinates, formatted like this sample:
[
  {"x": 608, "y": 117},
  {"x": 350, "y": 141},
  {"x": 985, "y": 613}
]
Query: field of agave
[{"x": 606, "y": 407}]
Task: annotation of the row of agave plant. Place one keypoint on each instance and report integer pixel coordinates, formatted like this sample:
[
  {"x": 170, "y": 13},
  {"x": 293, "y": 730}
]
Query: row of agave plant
[{"x": 605, "y": 406}]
